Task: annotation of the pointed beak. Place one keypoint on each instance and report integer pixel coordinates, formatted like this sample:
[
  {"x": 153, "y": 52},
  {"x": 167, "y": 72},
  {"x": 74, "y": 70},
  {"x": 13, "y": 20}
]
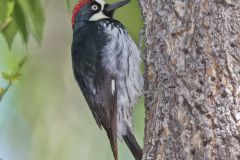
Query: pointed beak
[{"x": 113, "y": 6}]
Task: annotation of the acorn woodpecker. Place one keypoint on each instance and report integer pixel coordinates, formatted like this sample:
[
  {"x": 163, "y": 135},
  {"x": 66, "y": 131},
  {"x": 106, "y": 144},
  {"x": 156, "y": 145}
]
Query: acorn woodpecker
[{"x": 106, "y": 66}]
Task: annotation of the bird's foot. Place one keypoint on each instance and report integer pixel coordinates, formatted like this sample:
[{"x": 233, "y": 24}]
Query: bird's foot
[
  {"x": 147, "y": 92},
  {"x": 141, "y": 37}
]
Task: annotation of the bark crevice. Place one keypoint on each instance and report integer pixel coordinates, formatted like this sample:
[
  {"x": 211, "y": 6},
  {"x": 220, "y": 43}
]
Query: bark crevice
[{"x": 192, "y": 55}]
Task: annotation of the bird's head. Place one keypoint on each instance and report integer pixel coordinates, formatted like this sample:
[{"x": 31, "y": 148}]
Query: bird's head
[{"x": 94, "y": 10}]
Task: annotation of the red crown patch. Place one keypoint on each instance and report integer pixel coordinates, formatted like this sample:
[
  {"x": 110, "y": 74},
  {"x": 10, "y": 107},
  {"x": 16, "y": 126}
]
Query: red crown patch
[{"x": 79, "y": 5}]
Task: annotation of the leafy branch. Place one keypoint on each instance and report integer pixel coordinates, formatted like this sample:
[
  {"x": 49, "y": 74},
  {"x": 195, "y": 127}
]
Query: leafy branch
[
  {"x": 12, "y": 77},
  {"x": 25, "y": 17}
]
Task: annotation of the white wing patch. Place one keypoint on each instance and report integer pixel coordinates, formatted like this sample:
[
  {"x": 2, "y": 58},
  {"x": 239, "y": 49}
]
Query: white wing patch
[{"x": 113, "y": 86}]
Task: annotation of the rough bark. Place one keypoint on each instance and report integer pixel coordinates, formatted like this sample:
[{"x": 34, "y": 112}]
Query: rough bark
[{"x": 193, "y": 59}]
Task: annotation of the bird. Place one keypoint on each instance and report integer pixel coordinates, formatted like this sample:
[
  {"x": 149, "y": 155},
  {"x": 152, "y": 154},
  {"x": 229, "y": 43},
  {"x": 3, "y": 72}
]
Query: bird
[{"x": 107, "y": 68}]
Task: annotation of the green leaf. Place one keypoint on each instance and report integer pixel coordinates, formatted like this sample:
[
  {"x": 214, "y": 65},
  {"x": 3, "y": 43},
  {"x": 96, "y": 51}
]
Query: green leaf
[
  {"x": 9, "y": 28},
  {"x": 22, "y": 61},
  {"x": 10, "y": 8},
  {"x": 1, "y": 91},
  {"x": 23, "y": 16},
  {"x": 16, "y": 77},
  {"x": 34, "y": 11},
  {"x": 21, "y": 22},
  {"x": 6, "y": 76},
  {"x": 9, "y": 32},
  {"x": 67, "y": 3},
  {"x": 13, "y": 72},
  {"x": 3, "y": 13}
]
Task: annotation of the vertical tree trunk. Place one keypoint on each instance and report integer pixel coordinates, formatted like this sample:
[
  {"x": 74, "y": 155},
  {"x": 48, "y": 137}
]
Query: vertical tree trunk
[{"x": 193, "y": 59}]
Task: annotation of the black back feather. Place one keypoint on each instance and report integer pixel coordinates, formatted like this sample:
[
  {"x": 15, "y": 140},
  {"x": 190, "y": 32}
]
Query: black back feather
[{"x": 94, "y": 81}]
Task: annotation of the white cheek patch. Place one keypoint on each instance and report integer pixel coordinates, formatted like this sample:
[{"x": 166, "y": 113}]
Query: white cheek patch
[{"x": 98, "y": 16}]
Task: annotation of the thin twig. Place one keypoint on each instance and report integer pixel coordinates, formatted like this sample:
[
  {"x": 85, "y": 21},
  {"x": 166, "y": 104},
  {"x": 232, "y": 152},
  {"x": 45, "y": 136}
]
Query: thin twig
[
  {"x": 10, "y": 82},
  {"x": 4, "y": 25},
  {"x": 5, "y": 90}
]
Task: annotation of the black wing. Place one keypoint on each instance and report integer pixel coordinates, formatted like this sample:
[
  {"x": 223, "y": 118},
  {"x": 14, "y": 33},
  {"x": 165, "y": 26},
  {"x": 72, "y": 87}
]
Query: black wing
[{"x": 96, "y": 83}]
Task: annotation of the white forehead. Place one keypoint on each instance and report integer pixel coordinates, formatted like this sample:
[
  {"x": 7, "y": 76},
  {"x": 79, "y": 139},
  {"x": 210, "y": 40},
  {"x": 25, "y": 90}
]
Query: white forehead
[{"x": 102, "y": 2}]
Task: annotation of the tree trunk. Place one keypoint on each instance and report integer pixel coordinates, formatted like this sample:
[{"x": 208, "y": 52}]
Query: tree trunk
[{"x": 193, "y": 65}]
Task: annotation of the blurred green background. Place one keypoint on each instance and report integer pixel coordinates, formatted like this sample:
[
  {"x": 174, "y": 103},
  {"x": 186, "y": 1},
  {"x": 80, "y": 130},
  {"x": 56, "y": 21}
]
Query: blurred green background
[{"x": 43, "y": 115}]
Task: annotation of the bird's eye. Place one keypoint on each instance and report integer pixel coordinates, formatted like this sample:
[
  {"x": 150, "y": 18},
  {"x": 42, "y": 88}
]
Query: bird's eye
[{"x": 94, "y": 7}]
